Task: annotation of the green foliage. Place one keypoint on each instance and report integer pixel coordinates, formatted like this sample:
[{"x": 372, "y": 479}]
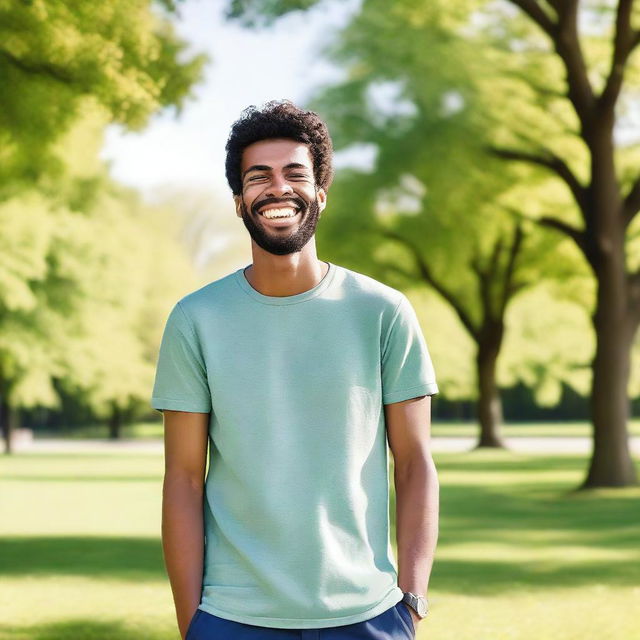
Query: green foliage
[
  {"x": 433, "y": 85},
  {"x": 55, "y": 54},
  {"x": 84, "y": 291},
  {"x": 87, "y": 276},
  {"x": 264, "y": 12},
  {"x": 435, "y": 186},
  {"x": 542, "y": 352}
]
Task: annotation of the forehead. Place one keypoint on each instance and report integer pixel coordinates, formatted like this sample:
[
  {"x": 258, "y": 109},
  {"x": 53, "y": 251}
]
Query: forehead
[{"x": 276, "y": 152}]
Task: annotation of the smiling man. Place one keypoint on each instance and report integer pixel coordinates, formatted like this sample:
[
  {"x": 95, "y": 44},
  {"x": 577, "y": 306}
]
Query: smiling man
[{"x": 294, "y": 374}]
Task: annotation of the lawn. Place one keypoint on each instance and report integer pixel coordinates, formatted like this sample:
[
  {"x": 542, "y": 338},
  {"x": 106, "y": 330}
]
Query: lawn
[
  {"x": 153, "y": 429},
  {"x": 520, "y": 556}
]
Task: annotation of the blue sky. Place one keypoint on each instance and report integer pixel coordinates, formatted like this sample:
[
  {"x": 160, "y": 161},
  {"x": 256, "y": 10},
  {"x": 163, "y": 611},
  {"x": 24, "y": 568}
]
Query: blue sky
[{"x": 247, "y": 67}]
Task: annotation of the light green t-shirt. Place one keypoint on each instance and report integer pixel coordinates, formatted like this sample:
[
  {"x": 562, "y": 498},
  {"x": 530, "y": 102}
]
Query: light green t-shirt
[{"x": 296, "y": 506}]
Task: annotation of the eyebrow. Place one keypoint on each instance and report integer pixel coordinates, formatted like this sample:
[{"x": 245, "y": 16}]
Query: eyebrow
[{"x": 264, "y": 167}]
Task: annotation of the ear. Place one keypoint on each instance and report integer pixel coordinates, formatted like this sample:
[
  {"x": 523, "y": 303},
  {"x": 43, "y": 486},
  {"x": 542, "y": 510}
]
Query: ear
[
  {"x": 322, "y": 199},
  {"x": 237, "y": 201}
]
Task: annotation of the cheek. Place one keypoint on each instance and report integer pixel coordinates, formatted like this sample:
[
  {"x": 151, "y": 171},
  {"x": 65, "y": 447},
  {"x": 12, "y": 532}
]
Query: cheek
[
  {"x": 249, "y": 197},
  {"x": 308, "y": 193}
]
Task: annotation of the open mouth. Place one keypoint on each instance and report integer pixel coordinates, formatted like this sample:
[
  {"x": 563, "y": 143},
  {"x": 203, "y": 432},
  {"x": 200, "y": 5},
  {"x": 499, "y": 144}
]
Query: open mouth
[
  {"x": 279, "y": 213},
  {"x": 284, "y": 221}
]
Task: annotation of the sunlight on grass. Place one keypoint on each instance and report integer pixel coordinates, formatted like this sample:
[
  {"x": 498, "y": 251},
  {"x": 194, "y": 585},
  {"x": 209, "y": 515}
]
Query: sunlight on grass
[
  {"x": 82, "y": 494},
  {"x": 521, "y": 555},
  {"x": 529, "y": 429}
]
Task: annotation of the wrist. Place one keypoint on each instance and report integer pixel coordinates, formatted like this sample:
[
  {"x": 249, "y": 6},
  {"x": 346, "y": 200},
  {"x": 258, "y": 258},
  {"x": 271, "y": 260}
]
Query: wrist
[{"x": 417, "y": 602}]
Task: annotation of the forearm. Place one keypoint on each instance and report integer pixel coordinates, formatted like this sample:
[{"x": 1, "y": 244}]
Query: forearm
[
  {"x": 183, "y": 545},
  {"x": 417, "y": 506}
]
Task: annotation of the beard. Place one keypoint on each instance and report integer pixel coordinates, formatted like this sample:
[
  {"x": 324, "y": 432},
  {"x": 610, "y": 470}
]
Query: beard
[{"x": 281, "y": 242}]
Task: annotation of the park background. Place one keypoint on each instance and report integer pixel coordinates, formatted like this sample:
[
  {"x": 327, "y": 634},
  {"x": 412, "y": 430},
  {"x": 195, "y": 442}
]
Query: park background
[{"x": 488, "y": 165}]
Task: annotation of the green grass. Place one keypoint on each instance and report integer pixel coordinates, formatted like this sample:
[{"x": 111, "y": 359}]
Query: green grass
[
  {"x": 529, "y": 429},
  {"x": 142, "y": 430},
  {"x": 520, "y": 555},
  {"x": 145, "y": 430}
]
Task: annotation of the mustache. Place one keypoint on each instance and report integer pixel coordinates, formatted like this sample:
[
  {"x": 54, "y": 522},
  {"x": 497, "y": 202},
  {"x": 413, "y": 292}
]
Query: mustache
[{"x": 298, "y": 202}]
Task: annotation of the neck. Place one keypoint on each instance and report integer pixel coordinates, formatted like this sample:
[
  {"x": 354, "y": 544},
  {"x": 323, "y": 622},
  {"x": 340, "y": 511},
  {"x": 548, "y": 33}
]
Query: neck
[{"x": 289, "y": 275}]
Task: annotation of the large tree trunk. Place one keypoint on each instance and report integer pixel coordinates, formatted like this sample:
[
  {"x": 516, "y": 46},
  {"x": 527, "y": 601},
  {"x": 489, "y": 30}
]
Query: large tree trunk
[
  {"x": 611, "y": 463},
  {"x": 489, "y": 404},
  {"x": 613, "y": 320}
]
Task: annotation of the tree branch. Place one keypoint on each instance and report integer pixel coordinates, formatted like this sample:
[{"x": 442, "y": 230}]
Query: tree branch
[
  {"x": 564, "y": 35},
  {"x": 576, "y": 235},
  {"x": 633, "y": 282},
  {"x": 567, "y": 44},
  {"x": 509, "y": 287},
  {"x": 631, "y": 204},
  {"x": 427, "y": 276},
  {"x": 495, "y": 256},
  {"x": 485, "y": 277},
  {"x": 551, "y": 161},
  {"x": 538, "y": 15},
  {"x": 623, "y": 44},
  {"x": 41, "y": 68},
  {"x": 555, "y": 5}
]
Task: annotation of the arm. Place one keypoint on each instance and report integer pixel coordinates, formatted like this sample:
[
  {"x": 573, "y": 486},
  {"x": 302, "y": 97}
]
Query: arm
[
  {"x": 185, "y": 442},
  {"x": 417, "y": 492}
]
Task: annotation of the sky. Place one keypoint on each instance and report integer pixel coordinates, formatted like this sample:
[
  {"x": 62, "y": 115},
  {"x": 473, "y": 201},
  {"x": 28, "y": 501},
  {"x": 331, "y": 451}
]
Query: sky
[{"x": 247, "y": 66}]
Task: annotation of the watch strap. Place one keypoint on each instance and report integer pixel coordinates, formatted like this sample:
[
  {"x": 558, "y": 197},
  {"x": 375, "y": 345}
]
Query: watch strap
[{"x": 417, "y": 602}]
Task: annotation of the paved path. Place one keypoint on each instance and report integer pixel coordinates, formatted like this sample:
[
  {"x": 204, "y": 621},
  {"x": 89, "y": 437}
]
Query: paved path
[{"x": 439, "y": 444}]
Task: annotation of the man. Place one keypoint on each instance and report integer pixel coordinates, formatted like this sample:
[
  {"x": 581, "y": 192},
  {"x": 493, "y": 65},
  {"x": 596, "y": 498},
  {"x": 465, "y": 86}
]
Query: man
[{"x": 295, "y": 372}]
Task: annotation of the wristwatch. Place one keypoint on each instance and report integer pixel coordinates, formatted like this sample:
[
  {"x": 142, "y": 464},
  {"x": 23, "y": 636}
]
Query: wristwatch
[{"x": 418, "y": 603}]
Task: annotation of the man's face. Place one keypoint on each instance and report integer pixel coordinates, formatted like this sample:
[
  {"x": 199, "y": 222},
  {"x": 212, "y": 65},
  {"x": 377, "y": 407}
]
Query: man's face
[{"x": 277, "y": 179}]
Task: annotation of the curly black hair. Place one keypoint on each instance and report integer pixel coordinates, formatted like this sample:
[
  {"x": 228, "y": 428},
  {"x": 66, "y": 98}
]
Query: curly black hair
[{"x": 279, "y": 119}]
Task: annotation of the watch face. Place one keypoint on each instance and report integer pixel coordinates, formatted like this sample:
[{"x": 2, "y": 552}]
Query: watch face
[{"x": 422, "y": 607}]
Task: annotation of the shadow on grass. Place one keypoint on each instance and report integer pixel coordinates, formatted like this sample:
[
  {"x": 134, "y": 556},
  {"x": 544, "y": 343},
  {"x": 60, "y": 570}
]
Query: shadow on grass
[
  {"x": 521, "y": 505},
  {"x": 82, "y": 630},
  {"x": 491, "y": 577},
  {"x": 124, "y": 558}
]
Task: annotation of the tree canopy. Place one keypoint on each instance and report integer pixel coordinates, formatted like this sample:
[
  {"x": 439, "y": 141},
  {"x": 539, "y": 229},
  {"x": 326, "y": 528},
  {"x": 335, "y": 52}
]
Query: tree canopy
[{"x": 124, "y": 54}]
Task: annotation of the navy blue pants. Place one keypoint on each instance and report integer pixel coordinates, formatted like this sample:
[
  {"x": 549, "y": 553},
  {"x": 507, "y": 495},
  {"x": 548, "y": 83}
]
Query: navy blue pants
[{"x": 395, "y": 623}]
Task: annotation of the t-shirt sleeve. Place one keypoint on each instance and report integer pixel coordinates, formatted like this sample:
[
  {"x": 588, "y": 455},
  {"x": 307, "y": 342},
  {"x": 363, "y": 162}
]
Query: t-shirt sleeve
[
  {"x": 407, "y": 370},
  {"x": 181, "y": 379}
]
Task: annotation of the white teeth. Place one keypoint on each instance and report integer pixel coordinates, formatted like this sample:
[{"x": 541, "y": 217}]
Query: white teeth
[{"x": 286, "y": 212}]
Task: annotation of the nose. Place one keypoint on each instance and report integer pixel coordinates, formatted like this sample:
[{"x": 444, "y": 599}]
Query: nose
[{"x": 278, "y": 186}]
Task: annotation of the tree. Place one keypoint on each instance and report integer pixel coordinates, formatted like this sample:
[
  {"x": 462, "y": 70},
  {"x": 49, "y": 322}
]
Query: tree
[
  {"x": 137, "y": 268},
  {"x": 402, "y": 222},
  {"x": 562, "y": 128},
  {"x": 53, "y": 55},
  {"x": 86, "y": 279},
  {"x": 607, "y": 197},
  {"x": 70, "y": 68}
]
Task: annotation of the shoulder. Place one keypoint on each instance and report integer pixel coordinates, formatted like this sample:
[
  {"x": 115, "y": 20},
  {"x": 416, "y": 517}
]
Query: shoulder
[
  {"x": 369, "y": 290},
  {"x": 211, "y": 296}
]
